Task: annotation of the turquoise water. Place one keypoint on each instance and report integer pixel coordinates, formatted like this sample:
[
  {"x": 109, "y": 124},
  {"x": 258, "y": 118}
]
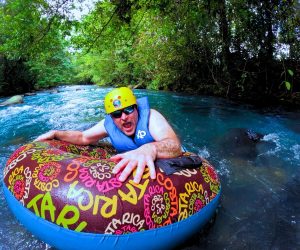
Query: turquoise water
[{"x": 260, "y": 205}]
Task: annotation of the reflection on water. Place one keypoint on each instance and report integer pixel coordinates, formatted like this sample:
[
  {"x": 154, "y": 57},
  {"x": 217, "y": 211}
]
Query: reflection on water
[{"x": 260, "y": 208}]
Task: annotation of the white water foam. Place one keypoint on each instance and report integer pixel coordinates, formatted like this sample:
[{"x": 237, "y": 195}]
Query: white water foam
[
  {"x": 204, "y": 153},
  {"x": 273, "y": 137},
  {"x": 296, "y": 150},
  {"x": 285, "y": 147},
  {"x": 223, "y": 169},
  {"x": 11, "y": 111}
]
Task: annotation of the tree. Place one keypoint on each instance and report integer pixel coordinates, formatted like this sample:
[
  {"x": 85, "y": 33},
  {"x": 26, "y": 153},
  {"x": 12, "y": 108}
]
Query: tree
[
  {"x": 239, "y": 49},
  {"x": 32, "y": 33}
]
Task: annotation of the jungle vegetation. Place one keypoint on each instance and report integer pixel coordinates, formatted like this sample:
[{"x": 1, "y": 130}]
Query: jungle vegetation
[{"x": 239, "y": 49}]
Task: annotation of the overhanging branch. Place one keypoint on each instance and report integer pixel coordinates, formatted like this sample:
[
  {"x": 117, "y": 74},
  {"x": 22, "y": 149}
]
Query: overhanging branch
[{"x": 103, "y": 28}]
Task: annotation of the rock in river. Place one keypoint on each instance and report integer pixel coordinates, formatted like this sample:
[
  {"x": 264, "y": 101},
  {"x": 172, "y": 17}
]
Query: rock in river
[
  {"x": 13, "y": 100},
  {"x": 244, "y": 143}
]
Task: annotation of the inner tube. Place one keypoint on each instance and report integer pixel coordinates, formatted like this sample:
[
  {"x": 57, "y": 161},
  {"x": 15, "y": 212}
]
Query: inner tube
[{"x": 67, "y": 196}]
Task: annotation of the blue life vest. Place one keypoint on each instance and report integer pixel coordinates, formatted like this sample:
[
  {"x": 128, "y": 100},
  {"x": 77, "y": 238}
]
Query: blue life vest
[{"x": 122, "y": 142}]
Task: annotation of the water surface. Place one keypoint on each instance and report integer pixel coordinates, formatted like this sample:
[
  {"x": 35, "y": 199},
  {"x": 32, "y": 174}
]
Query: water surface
[{"x": 260, "y": 205}]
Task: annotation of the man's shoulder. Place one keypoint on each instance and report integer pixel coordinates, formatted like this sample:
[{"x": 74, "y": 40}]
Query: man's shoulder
[
  {"x": 156, "y": 117},
  {"x": 154, "y": 112}
]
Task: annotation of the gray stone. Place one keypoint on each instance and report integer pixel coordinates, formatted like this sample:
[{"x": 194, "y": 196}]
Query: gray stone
[{"x": 13, "y": 100}]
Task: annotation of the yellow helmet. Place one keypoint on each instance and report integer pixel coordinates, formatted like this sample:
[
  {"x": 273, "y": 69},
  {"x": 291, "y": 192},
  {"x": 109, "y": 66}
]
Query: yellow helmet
[{"x": 119, "y": 98}]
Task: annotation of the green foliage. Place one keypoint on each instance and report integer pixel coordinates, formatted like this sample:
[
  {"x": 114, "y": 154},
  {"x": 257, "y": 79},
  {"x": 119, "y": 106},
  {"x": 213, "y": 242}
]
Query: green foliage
[
  {"x": 288, "y": 78},
  {"x": 52, "y": 69},
  {"x": 34, "y": 33},
  {"x": 105, "y": 57},
  {"x": 291, "y": 73},
  {"x": 232, "y": 48},
  {"x": 287, "y": 85}
]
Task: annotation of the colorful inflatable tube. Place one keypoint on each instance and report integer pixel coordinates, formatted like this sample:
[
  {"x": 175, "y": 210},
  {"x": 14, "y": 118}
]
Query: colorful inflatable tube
[{"x": 67, "y": 196}]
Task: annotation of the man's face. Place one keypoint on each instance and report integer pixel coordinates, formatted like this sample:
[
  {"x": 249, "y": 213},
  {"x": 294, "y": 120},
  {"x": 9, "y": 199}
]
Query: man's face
[{"x": 127, "y": 122}]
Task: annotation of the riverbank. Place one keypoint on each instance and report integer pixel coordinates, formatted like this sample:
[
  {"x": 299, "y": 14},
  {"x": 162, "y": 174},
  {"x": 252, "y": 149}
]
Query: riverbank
[{"x": 284, "y": 101}]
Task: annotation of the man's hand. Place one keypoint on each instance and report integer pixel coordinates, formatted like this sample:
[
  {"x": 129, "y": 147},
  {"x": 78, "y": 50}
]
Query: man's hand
[
  {"x": 136, "y": 159},
  {"x": 47, "y": 136},
  {"x": 87, "y": 137}
]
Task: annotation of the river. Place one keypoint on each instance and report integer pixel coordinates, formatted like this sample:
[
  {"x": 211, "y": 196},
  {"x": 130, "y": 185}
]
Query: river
[{"x": 260, "y": 205}]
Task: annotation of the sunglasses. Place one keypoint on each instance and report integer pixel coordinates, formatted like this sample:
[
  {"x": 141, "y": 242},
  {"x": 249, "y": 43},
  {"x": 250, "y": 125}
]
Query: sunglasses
[{"x": 127, "y": 111}]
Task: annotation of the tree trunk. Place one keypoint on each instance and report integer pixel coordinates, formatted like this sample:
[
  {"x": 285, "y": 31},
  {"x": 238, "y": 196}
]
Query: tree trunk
[
  {"x": 270, "y": 35},
  {"x": 225, "y": 35}
]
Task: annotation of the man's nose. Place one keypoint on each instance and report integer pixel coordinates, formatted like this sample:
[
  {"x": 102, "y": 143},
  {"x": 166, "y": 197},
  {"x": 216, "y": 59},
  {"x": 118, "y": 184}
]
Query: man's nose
[{"x": 124, "y": 116}]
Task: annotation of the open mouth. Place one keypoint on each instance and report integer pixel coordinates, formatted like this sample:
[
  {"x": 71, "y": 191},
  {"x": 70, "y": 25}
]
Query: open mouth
[{"x": 127, "y": 125}]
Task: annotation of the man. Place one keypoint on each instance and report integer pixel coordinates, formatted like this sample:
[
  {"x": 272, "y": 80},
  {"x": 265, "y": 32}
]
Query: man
[{"x": 139, "y": 134}]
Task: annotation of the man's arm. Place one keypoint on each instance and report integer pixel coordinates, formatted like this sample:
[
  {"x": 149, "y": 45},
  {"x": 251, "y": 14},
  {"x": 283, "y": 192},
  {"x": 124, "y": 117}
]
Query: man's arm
[
  {"x": 166, "y": 145},
  {"x": 86, "y": 137}
]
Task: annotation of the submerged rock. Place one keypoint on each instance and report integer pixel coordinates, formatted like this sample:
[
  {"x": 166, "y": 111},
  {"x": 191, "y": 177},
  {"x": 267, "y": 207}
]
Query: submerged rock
[
  {"x": 13, "y": 100},
  {"x": 54, "y": 91},
  {"x": 244, "y": 143},
  {"x": 253, "y": 136}
]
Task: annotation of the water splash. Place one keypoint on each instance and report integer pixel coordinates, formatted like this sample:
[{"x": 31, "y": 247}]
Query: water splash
[
  {"x": 223, "y": 169},
  {"x": 296, "y": 150},
  {"x": 204, "y": 153},
  {"x": 273, "y": 137}
]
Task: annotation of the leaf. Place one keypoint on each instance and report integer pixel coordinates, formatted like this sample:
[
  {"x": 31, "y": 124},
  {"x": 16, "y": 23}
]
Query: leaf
[
  {"x": 287, "y": 85},
  {"x": 291, "y": 72}
]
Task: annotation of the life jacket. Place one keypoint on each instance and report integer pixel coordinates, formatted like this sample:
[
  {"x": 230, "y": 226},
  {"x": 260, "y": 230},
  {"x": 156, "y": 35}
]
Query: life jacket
[{"x": 122, "y": 142}]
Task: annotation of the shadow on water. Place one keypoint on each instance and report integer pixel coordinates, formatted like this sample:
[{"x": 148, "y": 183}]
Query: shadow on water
[{"x": 260, "y": 176}]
